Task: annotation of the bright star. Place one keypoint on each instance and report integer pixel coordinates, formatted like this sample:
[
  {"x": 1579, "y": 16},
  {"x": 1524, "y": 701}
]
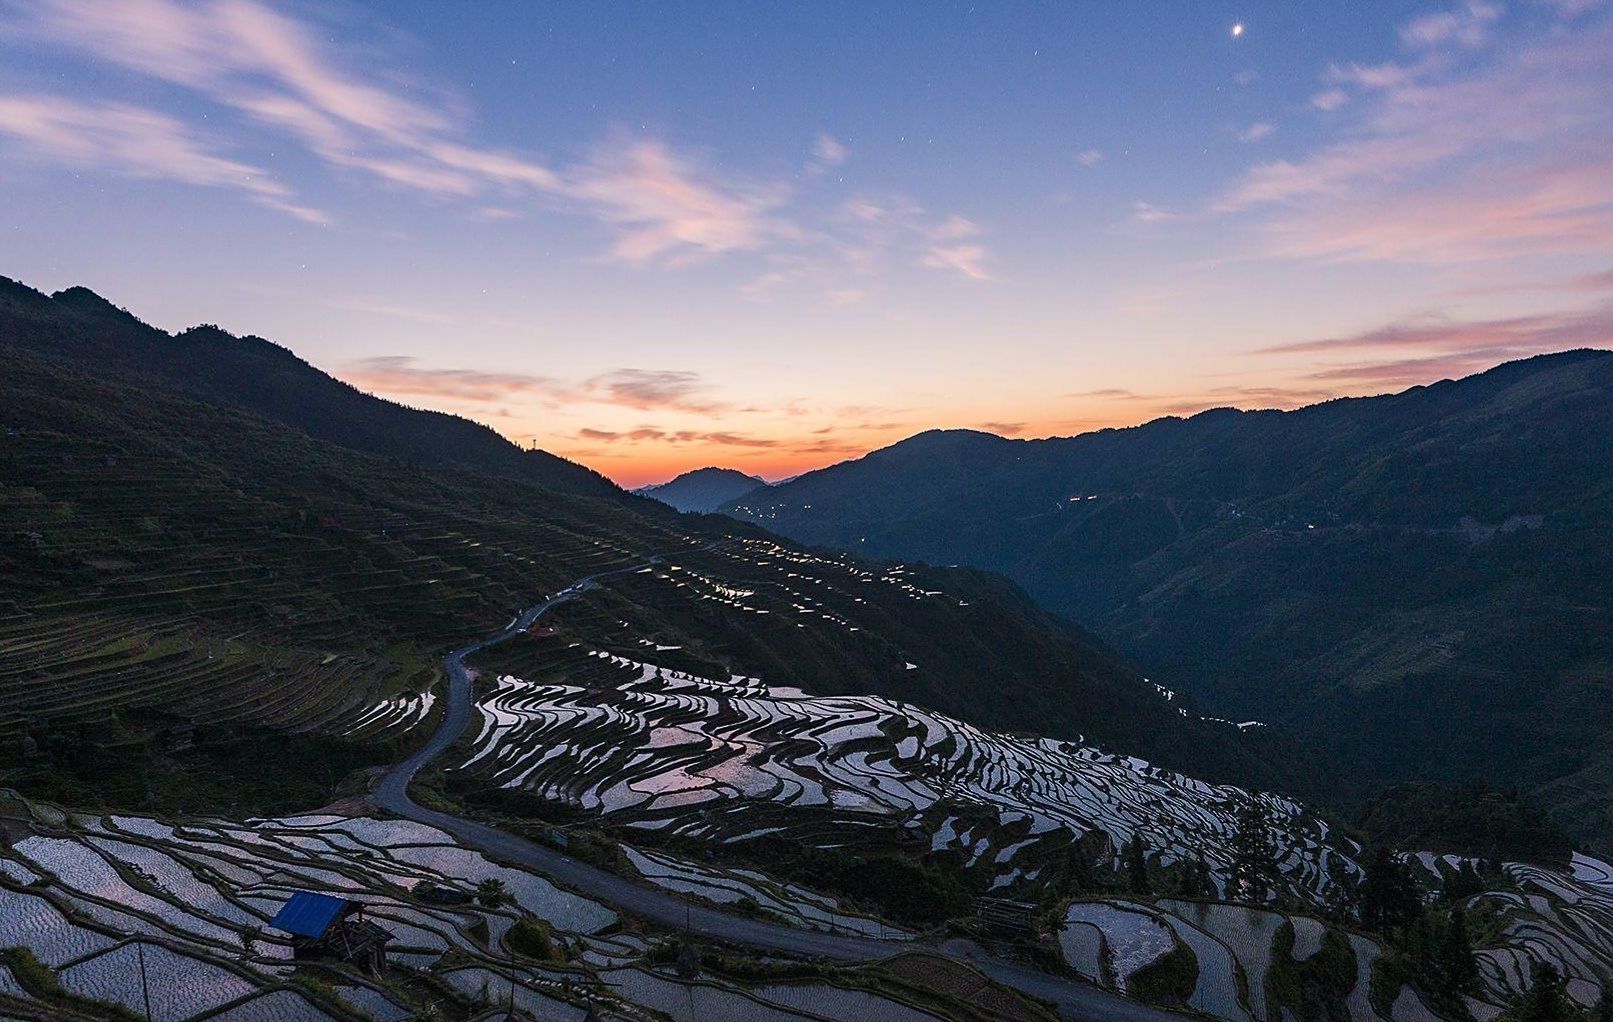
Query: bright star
[{"x": 1237, "y": 30}]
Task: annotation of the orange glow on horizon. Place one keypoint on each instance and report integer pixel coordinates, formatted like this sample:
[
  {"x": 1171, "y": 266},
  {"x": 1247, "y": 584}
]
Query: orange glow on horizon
[{"x": 638, "y": 465}]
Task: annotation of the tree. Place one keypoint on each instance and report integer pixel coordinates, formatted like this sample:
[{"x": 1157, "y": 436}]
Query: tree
[
  {"x": 1254, "y": 852},
  {"x": 490, "y": 893},
  {"x": 1546, "y": 1000},
  {"x": 1078, "y": 867},
  {"x": 1456, "y": 962},
  {"x": 1195, "y": 880},
  {"x": 1462, "y": 883},
  {"x": 1388, "y": 898},
  {"x": 1137, "y": 866}
]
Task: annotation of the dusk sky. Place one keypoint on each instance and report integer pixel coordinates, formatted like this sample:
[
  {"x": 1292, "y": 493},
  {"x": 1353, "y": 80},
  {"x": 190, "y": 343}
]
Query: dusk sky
[{"x": 774, "y": 236}]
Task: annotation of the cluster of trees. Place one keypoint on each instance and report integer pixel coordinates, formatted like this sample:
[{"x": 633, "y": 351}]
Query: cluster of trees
[
  {"x": 1475, "y": 819},
  {"x": 1190, "y": 880}
]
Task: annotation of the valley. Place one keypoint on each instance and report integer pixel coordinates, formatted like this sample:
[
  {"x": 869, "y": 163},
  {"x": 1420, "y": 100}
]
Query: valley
[
  {"x": 481, "y": 917},
  {"x": 691, "y": 769},
  {"x": 806, "y": 512}
]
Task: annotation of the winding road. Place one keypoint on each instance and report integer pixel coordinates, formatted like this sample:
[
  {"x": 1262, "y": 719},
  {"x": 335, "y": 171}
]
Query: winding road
[{"x": 1075, "y": 999}]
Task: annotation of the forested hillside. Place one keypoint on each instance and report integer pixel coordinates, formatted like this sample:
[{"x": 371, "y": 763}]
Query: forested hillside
[
  {"x": 1422, "y": 581},
  {"x": 175, "y": 562}
]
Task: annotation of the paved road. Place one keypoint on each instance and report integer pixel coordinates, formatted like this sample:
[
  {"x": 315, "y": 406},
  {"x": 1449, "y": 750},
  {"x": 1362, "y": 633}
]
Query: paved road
[{"x": 1075, "y": 999}]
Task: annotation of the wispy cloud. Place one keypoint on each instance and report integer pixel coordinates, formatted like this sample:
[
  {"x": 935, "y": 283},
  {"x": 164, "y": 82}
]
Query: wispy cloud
[
  {"x": 1434, "y": 346},
  {"x": 1148, "y": 213},
  {"x": 400, "y": 375},
  {"x": 1089, "y": 157},
  {"x": 668, "y": 211},
  {"x": 1112, "y": 393},
  {"x": 677, "y": 438},
  {"x": 652, "y": 389},
  {"x": 1602, "y": 281},
  {"x": 869, "y": 236},
  {"x": 968, "y": 259},
  {"x": 1449, "y": 160},
  {"x": 647, "y": 390},
  {"x": 1246, "y": 397},
  {"x": 136, "y": 142},
  {"x": 373, "y": 124},
  {"x": 1330, "y": 99},
  {"x": 1255, "y": 132},
  {"x": 1580, "y": 283},
  {"x": 829, "y": 151},
  {"x": 1528, "y": 334},
  {"x": 271, "y": 68},
  {"x": 1467, "y": 25}
]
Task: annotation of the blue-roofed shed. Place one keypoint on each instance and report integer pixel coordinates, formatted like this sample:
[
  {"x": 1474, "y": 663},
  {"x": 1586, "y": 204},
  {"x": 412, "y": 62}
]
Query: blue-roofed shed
[
  {"x": 309, "y": 915},
  {"x": 325, "y": 926}
]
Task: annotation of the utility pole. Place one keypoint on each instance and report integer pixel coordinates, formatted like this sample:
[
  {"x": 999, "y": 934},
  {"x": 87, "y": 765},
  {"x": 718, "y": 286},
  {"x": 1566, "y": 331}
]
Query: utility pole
[{"x": 145, "y": 990}]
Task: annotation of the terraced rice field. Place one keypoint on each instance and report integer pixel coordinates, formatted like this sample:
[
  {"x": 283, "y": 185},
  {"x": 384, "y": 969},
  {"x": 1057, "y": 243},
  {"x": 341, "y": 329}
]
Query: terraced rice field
[
  {"x": 1215, "y": 991},
  {"x": 1226, "y": 940},
  {"x": 1563, "y": 919},
  {"x": 791, "y": 902},
  {"x": 1081, "y": 943},
  {"x": 1247, "y": 932},
  {"x": 145, "y": 583},
  {"x": 1133, "y": 938},
  {"x": 95, "y": 897},
  {"x": 730, "y": 759},
  {"x": 1308, "y": 935}
]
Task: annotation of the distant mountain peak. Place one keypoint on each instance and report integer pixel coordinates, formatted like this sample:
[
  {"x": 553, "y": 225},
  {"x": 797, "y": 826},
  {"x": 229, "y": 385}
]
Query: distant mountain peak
[
  {"x": 713, "y": 472},
  {"x": 703, "y": 489}
]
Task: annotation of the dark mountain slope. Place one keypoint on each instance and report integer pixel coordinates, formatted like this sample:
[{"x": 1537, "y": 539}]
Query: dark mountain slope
[
  {"x": 168, "y": 558},
  {"x": 1423, "y": 580},
  {"x": 703, "y": 490},
  {"x": 81, "y": 327}
]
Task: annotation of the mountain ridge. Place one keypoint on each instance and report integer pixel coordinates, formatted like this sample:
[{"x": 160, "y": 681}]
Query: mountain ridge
[
  {"x": 1425, "y": 566},
  {"x": 268, "y": 378},
  {"x": 295, "y": 540}
]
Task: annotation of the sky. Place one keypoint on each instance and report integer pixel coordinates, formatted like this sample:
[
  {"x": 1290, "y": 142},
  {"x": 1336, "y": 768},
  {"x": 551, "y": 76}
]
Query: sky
[{"x": 653, "y": 237}]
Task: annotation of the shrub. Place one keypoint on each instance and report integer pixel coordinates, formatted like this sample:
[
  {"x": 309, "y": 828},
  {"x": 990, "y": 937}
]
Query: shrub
[{"x": 534, "y": 939}]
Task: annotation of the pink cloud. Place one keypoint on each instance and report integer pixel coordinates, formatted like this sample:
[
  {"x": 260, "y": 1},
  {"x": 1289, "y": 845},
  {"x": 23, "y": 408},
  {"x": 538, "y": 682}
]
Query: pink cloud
[
  {"x": 400, "y": 375},
  {"x": 1330, "y": 99},
  {"x": 1513, "y": 156},
  {"x": 652, "y": 389},
  {"x": 670, "y": 390},
  {"x": 968, "y": 260},
  {"x": 1427, "y": 348},
  {"x": 667, "y": 211},
  {"x": 373, "y": 123},
  {"x": 273, "y": 69},
  {"x": 1532, "y": 333},
  {"x": 1468, "y": 25},
  {"x": 829, "y": 151},
  {"x": 136, "y": 142}
]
